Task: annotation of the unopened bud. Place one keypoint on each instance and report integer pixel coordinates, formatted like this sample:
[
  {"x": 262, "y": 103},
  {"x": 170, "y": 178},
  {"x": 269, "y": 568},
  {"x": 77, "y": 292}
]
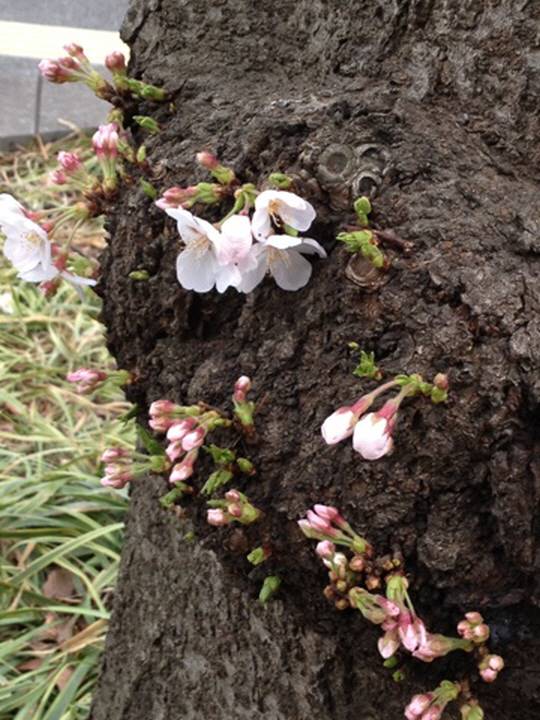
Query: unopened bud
[
  {"x": 69, "y": 161},
  {"x": 115, "y": 61},
  {"x": 147, "y": 123},
  {"x": 223, "y": 175},
  {"x": 280, "y": 181},
  {"x": 270, "y": 587}
]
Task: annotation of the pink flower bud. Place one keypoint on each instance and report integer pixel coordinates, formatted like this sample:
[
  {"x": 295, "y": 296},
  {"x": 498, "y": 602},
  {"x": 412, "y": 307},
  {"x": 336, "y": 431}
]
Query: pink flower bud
[
  {"x": 233, "y": 496},
  {"x": 194, "y": 439},
  {"x": 207, "y": 160},
  {"x": 241, "y": 388},
  {"x": 69, "y": 161},
  {"x": 372, "y": 436},
  {"x": 180, "y": 429},
  {"x": 115, "y": 61},
  {"x": 216, "y": 517},
  {"x": 418, "y": 705},
  {"x": 496, "y": 662},
  {"x": 59, "y": 71},
  {"x": 328, "y": 513},
  {"x": 412, "y": 631},
  {"x": 105, "y": 141},
  {"x": 338, "y": 426},
  {"x": 57, "y": 177},
  {"x": 235, "y": 509},
  {"x": 319, "y": 524},
  {"x": 161, "y": 407},
  {"x": 174, "y": 450},
  {"x": 86, "y": 379},
  {"x": 480, "y": 633},
  {"x": 113, "y": 453},
  {"x": 176, "y": 197},
  {"x": 118, "y": 481},
  {"x": 161, "y": 424},
  {"x": 474, "y": 618},
  {"x": 325, "y": 549},
  {"x": 182, "y": 471},
  {"x": 441, "y": 381},
  {"x": 74, "y": 50},
  {"x": 433, "y": 713},
  {"x": 389, "y": 643}
]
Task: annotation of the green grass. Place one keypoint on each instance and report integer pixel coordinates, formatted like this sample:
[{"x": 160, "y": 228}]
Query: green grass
[{"x": 54, "y": 515}]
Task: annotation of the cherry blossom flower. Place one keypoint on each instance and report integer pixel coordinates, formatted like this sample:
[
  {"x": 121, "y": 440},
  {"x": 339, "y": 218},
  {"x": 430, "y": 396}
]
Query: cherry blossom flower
[
  {"x": 28, "y": 248},
  {"x": 372, "y": 436},
  {"x": 281, "y": 208},
  {"x": 282, "y": 256}
]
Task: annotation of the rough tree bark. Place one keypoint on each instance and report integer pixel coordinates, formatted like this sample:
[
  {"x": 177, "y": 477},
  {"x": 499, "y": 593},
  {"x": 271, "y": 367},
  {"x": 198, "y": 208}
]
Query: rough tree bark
[{"x": 431, "y": 106}]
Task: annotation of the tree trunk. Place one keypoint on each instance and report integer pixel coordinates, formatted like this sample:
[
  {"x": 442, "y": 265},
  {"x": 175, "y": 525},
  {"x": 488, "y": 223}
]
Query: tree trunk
[{"x": 431, "y": 107}]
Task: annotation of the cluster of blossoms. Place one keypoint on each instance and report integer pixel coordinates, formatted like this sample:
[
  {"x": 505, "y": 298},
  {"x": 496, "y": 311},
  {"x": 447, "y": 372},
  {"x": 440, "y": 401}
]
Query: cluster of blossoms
[
  {"x": 76, "y": 67},
  {"x": 238, "y": 251},
  {"x": 372, "y": 434},
  {"x": 122, "y": 466},
  {"x": 86, "y": 380},
  {"x": 234, "y": 508},
  {"x": 353, "y": 582},
  {"x": 28, "y": 247}
]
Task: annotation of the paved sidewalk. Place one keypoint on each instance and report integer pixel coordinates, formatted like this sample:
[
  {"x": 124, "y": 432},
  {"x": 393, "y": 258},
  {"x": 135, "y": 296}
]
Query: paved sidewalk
[{"x": 30, "y": 29}]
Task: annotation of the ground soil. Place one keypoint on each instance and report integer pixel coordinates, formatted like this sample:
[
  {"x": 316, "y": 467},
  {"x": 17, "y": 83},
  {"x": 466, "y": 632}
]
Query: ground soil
[{"x": 431, "y": 107}]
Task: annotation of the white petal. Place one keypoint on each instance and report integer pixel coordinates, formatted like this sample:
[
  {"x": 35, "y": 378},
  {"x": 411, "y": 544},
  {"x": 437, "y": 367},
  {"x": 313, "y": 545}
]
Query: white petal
[
  {"x": 196, "y": 271},
  {"x": 188, "y": 227},
  {"x": 283, "y": 241},
  {"x": 258, "y": 266},
  {"x": 295, "y": 211},
  {"x": 265, "y": 198},
  {"x": 311, "y": 247},
  {"x": 235, "y": 241},
  {"x": 39, "y": 274},
  {"x": 261, "y": 225},
  {"x": 291, "y": 271},
  {"x": 227, "y": 276},
  {"x": 78, "y": 280}
]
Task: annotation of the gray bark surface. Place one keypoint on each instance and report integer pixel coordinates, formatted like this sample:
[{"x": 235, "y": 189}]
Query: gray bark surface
[{"x": 430, "y": 106}]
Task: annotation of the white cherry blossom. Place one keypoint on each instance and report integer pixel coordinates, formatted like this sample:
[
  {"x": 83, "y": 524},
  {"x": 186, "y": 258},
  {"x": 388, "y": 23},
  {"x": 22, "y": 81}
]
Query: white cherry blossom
[
  {"x": 282, "y": 256},
  {"x": 28, "y": 247},
  {"x": 281, "y": 207},
  {"x": 210, "y": 257}
]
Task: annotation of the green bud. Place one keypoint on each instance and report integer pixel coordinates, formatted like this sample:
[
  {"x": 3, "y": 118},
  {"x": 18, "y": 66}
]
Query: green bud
[
  {"x": 367, "y": 366},
  {"x": 216, "y": 480},
  {"x": 374, "y": 255},
  {"x": 173, "y": 495},
  {"x": 471, "y": 712},
  {"x": 151, "y": 92},
  {"x": 257, "y": 556},
  {"x": 280, "y": 181},
  {"x": 250, "y": 514},
  {"x": 398, "y": 676},
  {"x": 189, "y": 536},
  {"x": 391, "y": 662},
  {"x": 158, "y": 463},
  {"x": 140, "y": 156},
  {"x": 362, "y": 207},
  {"x": 207, "y": 193},
  {"x": 220, "y": 456},
  {"x": 244, "y": 412},
  {"x": 147, "y": 123},
  {"x": 148, "y": 189},
  {"x": 270, "y": 587},
  {"x": 246, "y": 466},
  {"x": 438, "y": 395},
  {"x": 139, "y": 275},
  {"x": 116, "y": 116}
]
